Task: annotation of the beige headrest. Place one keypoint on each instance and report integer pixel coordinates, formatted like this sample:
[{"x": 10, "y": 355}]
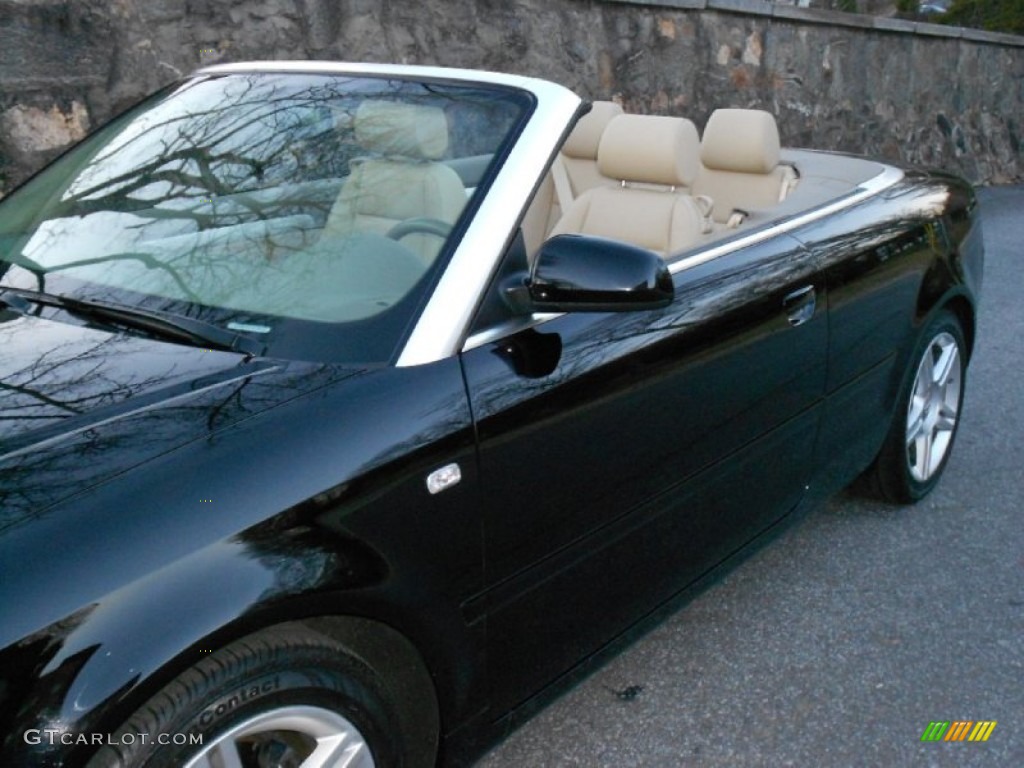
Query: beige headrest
[
  {"x": 585, "y": 137},
  {"x": 740, "y": 140},
  {"x": 410, "y": 130},
  {"x": 650, "y": 149}
]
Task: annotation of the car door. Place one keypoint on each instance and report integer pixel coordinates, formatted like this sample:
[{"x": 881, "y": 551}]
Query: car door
[{"x": 622, "y": 455}]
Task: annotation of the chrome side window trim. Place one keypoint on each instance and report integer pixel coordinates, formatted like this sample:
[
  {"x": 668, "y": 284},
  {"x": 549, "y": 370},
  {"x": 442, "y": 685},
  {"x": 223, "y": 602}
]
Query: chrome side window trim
[{"x": 887, "y": 178}]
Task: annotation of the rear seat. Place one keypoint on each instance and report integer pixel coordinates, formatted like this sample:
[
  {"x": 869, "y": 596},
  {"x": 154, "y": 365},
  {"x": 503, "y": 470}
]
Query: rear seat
[
  {"x": 651, "y": 158},
  {"x": 740, "y": 165},
  {"x": 579, "y": 153},
  {"x": 573, "y": 173}
]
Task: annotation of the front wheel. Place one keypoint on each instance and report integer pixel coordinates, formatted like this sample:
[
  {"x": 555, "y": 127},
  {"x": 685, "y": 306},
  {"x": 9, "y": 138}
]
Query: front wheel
[
  {"x": 924, "y": 426},
  {"x": 285, "y": 697}
]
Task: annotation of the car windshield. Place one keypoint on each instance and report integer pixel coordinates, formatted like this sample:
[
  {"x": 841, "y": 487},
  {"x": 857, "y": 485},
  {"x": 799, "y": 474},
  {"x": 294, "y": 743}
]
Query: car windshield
[{"x": 308, "y": 211}]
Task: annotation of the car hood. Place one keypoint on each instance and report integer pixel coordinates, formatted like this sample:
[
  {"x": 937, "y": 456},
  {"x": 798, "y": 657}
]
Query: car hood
[{"x": 79, "y": 405}]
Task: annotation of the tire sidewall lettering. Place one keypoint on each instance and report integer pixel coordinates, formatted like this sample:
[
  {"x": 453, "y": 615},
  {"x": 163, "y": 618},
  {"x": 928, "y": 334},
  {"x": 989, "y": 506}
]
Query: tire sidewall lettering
[{"x": 236, "y": 700}]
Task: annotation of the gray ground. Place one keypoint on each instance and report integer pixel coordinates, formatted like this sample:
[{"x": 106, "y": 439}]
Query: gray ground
[{"x": 839, "y": 642}]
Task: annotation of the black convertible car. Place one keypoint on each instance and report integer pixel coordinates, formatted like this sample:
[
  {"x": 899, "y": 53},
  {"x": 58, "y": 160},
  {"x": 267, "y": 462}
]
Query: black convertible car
[{"x": 347, "y": 409}]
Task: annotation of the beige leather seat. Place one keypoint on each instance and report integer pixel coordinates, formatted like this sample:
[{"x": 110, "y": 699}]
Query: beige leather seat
[
  {"x": 741, "y": 170},
  {"x": 399, "y": 178},
  {"x": 651, "y": 157},
  {"x": 573, "y": 172},
  {"x": 579, "y": 153}
]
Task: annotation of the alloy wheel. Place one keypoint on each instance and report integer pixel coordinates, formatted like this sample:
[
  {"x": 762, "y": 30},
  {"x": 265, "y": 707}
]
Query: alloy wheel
[
  {"x": 934, "y": 407},
  {"x": 288, "y": 737}
]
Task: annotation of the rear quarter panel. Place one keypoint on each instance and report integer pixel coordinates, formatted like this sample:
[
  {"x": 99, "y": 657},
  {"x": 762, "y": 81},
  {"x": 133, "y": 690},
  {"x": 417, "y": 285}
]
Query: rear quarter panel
[{"x": 890, "y": 262}]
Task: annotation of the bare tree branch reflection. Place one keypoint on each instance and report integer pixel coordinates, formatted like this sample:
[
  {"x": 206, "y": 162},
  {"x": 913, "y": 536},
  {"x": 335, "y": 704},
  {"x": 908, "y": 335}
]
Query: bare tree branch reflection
[
  {"x": 69, "y": 378},
  {"x": 210, "y": 202},
  {"x": 32, "y": 480}
]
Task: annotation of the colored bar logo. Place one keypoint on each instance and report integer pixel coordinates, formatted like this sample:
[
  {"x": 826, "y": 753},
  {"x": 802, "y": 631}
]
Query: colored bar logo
[{"x": 958, "y": 730}]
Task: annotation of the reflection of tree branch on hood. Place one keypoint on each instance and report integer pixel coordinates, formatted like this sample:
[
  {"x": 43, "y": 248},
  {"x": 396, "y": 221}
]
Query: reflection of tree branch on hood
[
  {"x": 69, "y": 406},
  {"x": 234, "y": 397},
  {"x": 91, "y": 385}
]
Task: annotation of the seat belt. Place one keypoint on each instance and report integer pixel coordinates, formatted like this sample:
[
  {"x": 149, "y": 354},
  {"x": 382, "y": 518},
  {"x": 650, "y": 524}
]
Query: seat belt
[
  {"x": 737, "y": 217},
  {"x": 563, "y": 189},
  {"x": 705, "y": 205},
  {"x": 790, "y": 177}
]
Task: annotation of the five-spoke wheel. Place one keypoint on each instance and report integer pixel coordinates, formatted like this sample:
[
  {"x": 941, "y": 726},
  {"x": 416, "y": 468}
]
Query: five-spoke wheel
[
  {"x": 299, "y": 736},
  {"x": 924, "y": 426},
  {"x": 934, "y": 407}
]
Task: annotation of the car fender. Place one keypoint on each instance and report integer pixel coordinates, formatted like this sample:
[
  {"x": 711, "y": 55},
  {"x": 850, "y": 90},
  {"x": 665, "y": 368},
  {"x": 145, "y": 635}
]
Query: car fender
[
  {"x": 106, "y": 661},
  {"x": 162, "y": 586}
]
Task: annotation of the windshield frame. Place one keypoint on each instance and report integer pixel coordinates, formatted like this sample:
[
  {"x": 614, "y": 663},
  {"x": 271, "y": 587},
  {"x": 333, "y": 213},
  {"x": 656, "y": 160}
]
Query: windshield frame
[{"x": 421, "y": 298}]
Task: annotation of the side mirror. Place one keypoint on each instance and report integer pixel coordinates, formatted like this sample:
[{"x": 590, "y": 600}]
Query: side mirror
[{"x": 579, "y": 273}]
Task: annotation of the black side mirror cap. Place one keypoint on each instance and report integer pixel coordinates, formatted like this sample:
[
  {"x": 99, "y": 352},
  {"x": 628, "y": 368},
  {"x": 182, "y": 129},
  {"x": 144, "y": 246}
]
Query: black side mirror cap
[{"x": 580, "y": 273}]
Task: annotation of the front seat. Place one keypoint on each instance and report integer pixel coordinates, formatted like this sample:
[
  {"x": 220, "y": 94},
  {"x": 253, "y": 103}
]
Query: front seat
[
  {"x": 398, "y": 178},
  {"x": 651, "y": 157}
]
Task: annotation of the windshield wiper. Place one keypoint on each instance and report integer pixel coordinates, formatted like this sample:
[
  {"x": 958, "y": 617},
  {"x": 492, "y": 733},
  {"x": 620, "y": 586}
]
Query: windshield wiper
[{"x": 165, "y": 325}]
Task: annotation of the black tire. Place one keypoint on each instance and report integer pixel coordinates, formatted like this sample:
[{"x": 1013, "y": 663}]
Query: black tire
[
  {"x": 283, "y": 670},
  {"x": 900, "y": 472}
]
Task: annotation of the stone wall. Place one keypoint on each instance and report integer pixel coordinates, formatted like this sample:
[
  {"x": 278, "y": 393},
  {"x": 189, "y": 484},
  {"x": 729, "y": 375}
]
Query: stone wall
[{"x": 914, "y": 92}]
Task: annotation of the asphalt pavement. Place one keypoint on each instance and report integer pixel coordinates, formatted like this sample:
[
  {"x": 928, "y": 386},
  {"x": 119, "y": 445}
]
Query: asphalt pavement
[{"x": 838, "y": 643}]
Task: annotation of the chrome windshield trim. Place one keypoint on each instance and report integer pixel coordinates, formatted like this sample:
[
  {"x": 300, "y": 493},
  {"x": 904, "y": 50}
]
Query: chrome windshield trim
[
  {"x": 442, "y": 325},
  {"x": 888, "y": 177}
]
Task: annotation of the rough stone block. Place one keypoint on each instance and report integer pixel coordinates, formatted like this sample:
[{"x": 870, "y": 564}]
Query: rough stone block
[
  {"x": 892, "y": 25},
  {"x": 842, "y": 81},
  {"x": 163, "y": 10},
  {"x": 755, "y": 7},
  {"x": 681, "y": 4},
  {"x": 995, "y": 38},
  {"x": 37, "y": 130},
  {"x": 937, "y": 30},
  {"x": 321, "y": 20},
  {"x": 803, "y": 15},
  {"x": 49, "y": 40}
]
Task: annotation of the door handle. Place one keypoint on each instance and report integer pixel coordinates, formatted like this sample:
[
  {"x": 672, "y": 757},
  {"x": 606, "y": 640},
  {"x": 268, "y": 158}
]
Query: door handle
[{"x": 800, "y": 304}]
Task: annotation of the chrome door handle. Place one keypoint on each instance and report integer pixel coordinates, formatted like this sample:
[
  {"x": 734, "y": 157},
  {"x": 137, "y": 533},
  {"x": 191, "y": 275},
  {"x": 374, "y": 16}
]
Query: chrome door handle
[{"x": 800, "y": 304}]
